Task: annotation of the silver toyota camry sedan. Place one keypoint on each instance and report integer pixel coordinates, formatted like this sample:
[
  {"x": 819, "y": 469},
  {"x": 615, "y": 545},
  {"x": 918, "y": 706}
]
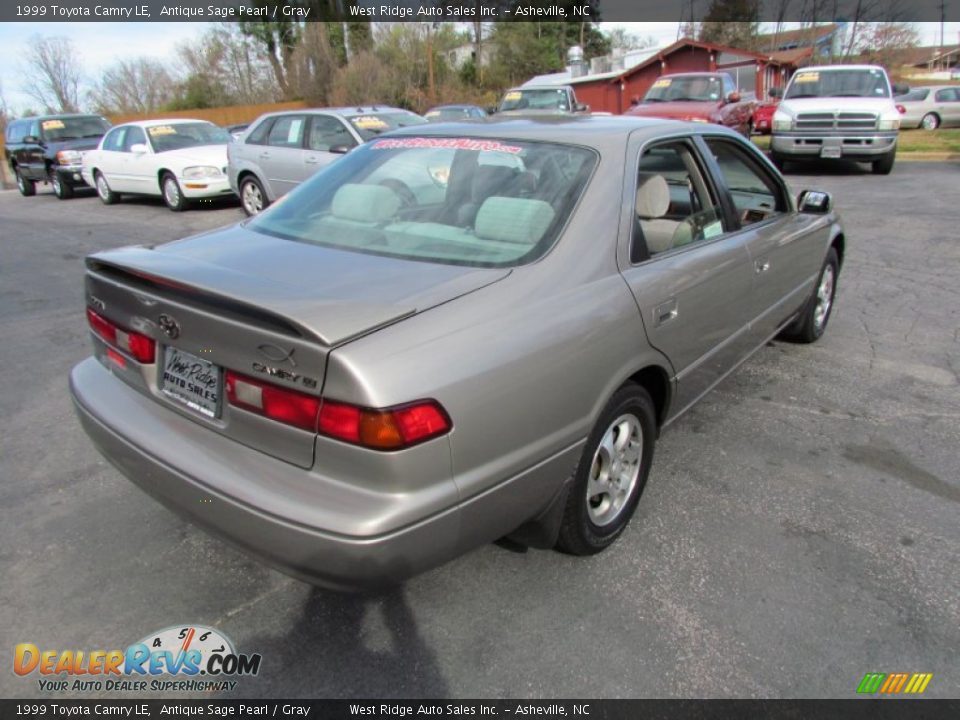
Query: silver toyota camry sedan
[{"x": 456, "y": 333}]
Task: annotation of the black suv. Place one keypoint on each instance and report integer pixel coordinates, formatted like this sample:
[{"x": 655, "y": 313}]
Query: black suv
[{"x": 50, "y": 149}]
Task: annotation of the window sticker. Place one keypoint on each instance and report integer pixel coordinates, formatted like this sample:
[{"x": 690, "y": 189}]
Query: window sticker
[
  {"x": 369, "y": 122},
  {"x": 446, "y": 143},
  {"x": 162, "y": 130},
  {"x": 53, "y": 125},
  {"x": 712, "y": 230},
  {"x": 806, "y": 77},
  {"x": 513, "y": 95},
  {"x": 662, "y": 83},
  {"x": 293, "y": 134},
  {"x": 433, "y": 113}
]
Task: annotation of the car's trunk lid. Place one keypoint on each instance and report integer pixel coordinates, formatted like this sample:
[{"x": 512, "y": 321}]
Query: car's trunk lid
[{"x": 264, "y": 307}]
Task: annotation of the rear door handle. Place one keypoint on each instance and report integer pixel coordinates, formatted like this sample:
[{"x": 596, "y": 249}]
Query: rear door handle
[
  {"x": 264, "y": 156},
  {"x": 665, "y": 312}
]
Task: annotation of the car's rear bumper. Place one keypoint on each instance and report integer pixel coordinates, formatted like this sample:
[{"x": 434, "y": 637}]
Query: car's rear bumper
[
  {"x": 805, "y": 145},
  {"x": 178, "y": 480}
]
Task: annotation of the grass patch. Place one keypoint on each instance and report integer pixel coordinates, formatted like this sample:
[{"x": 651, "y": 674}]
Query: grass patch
[{"x": 911, "y": 141}]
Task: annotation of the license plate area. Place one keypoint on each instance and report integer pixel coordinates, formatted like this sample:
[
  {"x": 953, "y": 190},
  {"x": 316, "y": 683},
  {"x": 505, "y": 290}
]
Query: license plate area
[
  {"x": 831, "y": 151},
  {"x": 191, "y": 381}
]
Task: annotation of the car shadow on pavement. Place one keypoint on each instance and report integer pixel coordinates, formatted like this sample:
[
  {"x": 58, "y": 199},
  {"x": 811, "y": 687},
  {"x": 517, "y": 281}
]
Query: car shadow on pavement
[
  {"x": 348, "y": 646},
  {"x": 813, "y": 167}
]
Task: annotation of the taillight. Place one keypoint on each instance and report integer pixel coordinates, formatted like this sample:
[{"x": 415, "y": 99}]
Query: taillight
[
  {"x": 276, "y": 403},
  {"x": 386, "y": 429},
  {"x": 140, "y": 346},
  {"x": 901, "y": 109}
]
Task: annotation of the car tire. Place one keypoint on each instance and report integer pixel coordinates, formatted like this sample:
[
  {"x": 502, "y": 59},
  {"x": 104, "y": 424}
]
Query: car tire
[
  {"x": 930, "y": 121},
  {"x": 64, "y": 191},
  {"x": 812, "y": 321},
  {"x": 253, "y": 199},
  {"x": 884, "y": 166},
  {"x": 106, "y": 195},
  {"x": 172, "y": 194},
  {"x": 611, "y": 474},
  {"x": 26, "y": 187}
]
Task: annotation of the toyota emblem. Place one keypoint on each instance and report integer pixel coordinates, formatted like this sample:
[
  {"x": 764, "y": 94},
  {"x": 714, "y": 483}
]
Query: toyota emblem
[{"x": 169, "y": 326}]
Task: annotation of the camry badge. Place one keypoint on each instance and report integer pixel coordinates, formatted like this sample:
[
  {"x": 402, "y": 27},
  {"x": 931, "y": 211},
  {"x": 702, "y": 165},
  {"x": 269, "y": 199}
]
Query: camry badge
[
  {"x": 276, "y": 353},
  {"x": 169, "y": 326}
]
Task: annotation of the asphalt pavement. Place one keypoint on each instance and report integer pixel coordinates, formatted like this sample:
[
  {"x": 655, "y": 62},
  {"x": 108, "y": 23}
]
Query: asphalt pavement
[{"x": 799, "y": 529}]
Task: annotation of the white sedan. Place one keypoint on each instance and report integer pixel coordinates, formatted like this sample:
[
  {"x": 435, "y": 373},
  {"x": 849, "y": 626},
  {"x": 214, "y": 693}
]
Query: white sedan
[{"x": 179, "y": 160}]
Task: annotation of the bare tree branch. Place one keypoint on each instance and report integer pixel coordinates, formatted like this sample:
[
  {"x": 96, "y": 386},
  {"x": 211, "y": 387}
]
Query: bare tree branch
[{"x": 52, "y": 73}]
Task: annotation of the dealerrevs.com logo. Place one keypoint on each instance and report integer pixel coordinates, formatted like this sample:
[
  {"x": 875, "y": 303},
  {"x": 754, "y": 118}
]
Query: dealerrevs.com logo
[{"x": 187, "y": 658}]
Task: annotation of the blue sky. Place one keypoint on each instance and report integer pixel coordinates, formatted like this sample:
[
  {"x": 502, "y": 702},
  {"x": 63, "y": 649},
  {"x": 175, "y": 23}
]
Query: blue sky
[{"x": 100, "y": 44}]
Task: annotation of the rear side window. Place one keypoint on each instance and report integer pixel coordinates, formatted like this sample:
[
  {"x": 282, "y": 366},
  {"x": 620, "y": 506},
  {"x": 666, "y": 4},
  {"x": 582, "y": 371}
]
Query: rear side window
[
  {"x": 755, "y": 193},
  {"x": 287, "y": 131}
]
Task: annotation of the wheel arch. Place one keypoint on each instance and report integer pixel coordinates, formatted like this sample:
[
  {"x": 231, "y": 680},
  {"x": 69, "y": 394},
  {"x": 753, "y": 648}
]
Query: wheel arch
[
  {"x": 839, "y": 243},
  {"x": 656, "y": 381},
  {"x": 160, "y": 173}
]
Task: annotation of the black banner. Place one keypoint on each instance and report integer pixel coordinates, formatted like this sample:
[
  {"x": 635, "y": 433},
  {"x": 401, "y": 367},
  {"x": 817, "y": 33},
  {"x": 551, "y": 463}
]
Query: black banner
[
  {"x": 465, "y": 10},
  {"x": 868, "y": 709}
]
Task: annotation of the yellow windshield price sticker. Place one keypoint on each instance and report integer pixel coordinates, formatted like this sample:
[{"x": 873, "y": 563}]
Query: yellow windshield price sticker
[
  {"x": 807, "y": 77},
  {"x": 162, "y": 130},
  {"x": 514, "y": 95},
  {"x": 53, "y": 125},
  {"x": 663, "y": 82},
  {"x": 369, "y": 122}
]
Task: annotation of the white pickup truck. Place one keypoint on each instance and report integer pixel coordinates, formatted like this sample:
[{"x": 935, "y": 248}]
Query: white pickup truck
[{"x": 837, "y": 112}]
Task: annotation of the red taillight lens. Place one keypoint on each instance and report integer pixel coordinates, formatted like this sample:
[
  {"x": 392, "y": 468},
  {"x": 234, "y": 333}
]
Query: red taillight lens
[
  {"x": 388, "y": 429},
  {"x": 276, "y": 403},
  {"x": 140, "y": 346},
  {"x": 901, "y": 109}
]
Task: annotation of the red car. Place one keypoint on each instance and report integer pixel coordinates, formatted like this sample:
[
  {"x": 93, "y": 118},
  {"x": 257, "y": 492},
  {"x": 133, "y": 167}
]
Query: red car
[
  {"x": 698, "y": 97},
  {"x": 763, "y": 118}
]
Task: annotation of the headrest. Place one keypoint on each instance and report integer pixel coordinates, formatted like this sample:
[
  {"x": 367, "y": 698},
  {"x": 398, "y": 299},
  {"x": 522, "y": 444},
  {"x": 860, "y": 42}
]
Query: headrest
[
  {"x": 513, "y": 220},
  {"x": 365, "y": 203},
  {"x": 488, "y": 179},
  {"x": 653, "y": 196}
]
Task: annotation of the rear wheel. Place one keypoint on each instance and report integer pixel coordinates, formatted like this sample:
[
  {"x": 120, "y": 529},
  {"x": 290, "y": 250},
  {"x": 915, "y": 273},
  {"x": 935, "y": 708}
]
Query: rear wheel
[
  {"x": 252, "y": 197},
  {"x": 62, "y": 190},
  {"x": 931, "y": 121},
  {"x": 172, "y": 194},
  {"x": 611, "y": 474},
  {"x": 26, "y": 187},
  {"x": 884, "y": 165},
  {"x": 108, "y": 196},
  {"x": 813, "y": 319}
]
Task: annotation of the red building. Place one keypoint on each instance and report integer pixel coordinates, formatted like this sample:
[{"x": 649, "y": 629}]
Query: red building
[{"x": 753, "y": 72}]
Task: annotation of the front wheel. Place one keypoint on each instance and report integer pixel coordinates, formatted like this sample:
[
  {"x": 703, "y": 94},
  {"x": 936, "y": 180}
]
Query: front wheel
[
  {"x": 62, "y": 190},
  {"x": 26, "y": 187},
  {"x": 813, "y": 319},
  {"x": 172, "y": 195},
  {"x": 611, "y": 474},
  {"x": 884, "y": 165}
]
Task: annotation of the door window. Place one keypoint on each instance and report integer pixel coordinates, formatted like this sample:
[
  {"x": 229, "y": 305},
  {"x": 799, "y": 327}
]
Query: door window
[
  {"x": 948, "y": 95},
  {"x": 114, "y": 140},
  {"x": 287, "y": 131},
  {"x": 756, "y": 194},
  {"x": 258, "y": 136},
  {"x": 134, "y": 135},
  {"x": 674, "y": 206},
  {"x": 327, "y": 132},
  {"x": 16, "y": 132}
]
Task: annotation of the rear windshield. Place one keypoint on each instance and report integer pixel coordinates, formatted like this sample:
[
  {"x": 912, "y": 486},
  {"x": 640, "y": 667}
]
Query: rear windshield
[
  {"x": 862, "y": 82},
  {"x": 177, "y": 136},
  {"x": 369, "y": 125},
  {"x": 461, "y": 201},
  {"x": 536, "y": 99},
  {"x": 73, "y": 128}
]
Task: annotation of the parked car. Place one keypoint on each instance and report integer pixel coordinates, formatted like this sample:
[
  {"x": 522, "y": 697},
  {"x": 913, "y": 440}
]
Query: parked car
[
  {"x": 281, "y": 150},
  {"x": 698, "y": 97},
  {"x": 49, "y": 149},
  {"x": 837, "y": 112},
  {"x": 762, "y": 123},
  {"x": 178, "y": 160},
  {"x": 540, "y": 100},
  {"x": 446, "y": 113},
  {"x": 930, "y": 107},
  {"x": 356, "y": 386}
]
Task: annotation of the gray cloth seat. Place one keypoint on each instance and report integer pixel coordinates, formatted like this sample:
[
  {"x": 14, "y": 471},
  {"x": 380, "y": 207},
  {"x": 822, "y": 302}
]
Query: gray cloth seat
[
  {"x": 652, "y": 203},
  {"x": 361, "y": 210}
]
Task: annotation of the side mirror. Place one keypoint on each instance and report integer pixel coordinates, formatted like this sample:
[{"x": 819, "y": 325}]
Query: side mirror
[
  {"x": 31, "y": 140},
  {"x": 139, "y": 148},
  {"x": 581, "y": 107},
  {"x": 733, "y": 97},
  {"x": 900, "y": 89},
  {"x": 340, "y": 149},
  {"x": 814, "y": 202},
  {"x": 775, "y": 92}
]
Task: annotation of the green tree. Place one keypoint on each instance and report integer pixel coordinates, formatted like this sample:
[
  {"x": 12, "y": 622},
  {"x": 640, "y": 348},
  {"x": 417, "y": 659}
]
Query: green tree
[{"x": 734, "y": 23}]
